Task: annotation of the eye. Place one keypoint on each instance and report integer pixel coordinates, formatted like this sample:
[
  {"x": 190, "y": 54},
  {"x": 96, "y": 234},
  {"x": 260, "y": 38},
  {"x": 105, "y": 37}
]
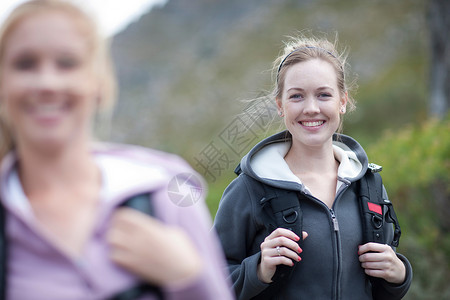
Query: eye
[
  {"x": 25, "y": 63},
  {"x": 296, "y": 97},
  {"x": 68, "y": 62},
  {"x": 325, "y": 95}
]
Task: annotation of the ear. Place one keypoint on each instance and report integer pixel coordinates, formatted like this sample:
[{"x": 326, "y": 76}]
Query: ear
[
  {"x": 98, "y": 95},
  {"x": 343, "y": 103},
  {"x": 1, "y": 90},
  {"x": 279, "y": 103}
]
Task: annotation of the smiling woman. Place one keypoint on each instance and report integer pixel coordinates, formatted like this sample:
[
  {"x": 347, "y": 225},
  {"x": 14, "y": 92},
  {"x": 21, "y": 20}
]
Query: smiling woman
[
  {"x": 290, "y": 223},
  {"x": 67, "y": 238},
  {"x": 50, "y": 82}
]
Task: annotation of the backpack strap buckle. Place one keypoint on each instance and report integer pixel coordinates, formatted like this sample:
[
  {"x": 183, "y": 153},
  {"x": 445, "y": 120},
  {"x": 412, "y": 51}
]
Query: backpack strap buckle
[
  {"x": 290, "y": 215},
  {"x": 374, "y": 168}
]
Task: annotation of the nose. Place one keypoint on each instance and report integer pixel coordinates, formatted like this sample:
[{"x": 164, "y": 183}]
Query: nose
[
  {"x": 48, "y": 79},
  {"x": 311, "y": 106}
]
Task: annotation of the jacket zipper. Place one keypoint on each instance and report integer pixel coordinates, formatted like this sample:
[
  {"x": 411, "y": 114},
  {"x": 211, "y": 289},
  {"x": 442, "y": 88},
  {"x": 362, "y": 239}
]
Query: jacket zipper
[
  {"x": 334, "y": 220},
  {"x": 335, "y": 223},
  {"x": 338, "y": 254},
  {"x": 338, "y": 242}
]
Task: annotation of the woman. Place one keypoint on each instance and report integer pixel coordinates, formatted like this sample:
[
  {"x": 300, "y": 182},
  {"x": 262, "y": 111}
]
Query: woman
[
  {"x": 323, "y": 168},
  {"x": 66, "y": 237}
]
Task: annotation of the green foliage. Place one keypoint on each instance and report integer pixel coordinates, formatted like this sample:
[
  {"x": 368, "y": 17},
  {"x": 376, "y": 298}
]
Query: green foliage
[
  {"x": 415, "y": 156},
  {"x": 215, "y": 191},
  {"x": 416, "y": 173}
]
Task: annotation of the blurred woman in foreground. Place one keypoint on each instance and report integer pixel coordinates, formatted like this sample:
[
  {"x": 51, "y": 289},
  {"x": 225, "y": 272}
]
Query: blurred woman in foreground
[{"x": 66, "y": 238}]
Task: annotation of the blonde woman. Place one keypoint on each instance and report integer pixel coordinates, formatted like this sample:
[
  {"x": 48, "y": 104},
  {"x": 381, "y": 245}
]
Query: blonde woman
[
  {"x": 66, "y": 238},
  {"x": 322, "y": 169}
]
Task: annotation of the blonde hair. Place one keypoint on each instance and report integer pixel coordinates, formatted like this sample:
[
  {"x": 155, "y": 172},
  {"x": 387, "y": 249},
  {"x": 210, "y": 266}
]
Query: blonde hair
[
  {"x": 301, "y": 48},
  {"x": 98, "y": 45}
]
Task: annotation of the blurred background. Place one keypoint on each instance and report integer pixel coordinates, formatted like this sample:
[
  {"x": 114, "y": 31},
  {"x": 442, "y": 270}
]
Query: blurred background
[{"x": 186, "y": 67}]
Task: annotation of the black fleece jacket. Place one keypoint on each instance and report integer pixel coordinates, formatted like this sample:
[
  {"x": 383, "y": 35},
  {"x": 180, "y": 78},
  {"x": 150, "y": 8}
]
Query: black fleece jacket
[{"x": 329, "y": 268}]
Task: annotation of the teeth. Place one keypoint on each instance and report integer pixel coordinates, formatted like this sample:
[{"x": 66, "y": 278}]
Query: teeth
[
  {"x": 48, "y": 108},
  {"x": 312, "y": 124}
]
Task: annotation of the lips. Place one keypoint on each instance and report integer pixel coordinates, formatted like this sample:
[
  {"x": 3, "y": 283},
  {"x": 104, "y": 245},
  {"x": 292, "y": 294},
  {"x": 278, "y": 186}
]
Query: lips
[
  {"x": 48, "y": 108},
  {"x": 48, "y": 113},
  {"x": 311, "y": 123}
]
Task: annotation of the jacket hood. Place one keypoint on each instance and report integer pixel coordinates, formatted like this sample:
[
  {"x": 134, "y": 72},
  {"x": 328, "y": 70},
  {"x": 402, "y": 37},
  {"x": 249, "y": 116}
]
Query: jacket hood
[{"x": 265, "y": 162}]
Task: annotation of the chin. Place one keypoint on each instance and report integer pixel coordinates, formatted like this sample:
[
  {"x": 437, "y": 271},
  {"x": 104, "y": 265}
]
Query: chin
[{"x": 313, "y": 142}]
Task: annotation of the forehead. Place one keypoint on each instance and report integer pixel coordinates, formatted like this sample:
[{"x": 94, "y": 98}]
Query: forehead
[
  {"x": 314, "y": 71},
  {"x": 47, "y": 31}
]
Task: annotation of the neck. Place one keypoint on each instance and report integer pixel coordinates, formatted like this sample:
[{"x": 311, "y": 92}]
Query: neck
[
  {"x": 65, "y": 168},
  {"x": 320, "y": 160}
]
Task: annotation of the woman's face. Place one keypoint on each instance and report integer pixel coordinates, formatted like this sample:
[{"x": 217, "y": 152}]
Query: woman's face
[
  {"x": 48, "y": 85},
  {"x": 311, "y": 103}
]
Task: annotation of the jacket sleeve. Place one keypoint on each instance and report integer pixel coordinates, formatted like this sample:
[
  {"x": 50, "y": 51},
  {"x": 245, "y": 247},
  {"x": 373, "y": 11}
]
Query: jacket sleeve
[
  {"x": 236, "y": 227},
  {"x": 384, "y": 290}
]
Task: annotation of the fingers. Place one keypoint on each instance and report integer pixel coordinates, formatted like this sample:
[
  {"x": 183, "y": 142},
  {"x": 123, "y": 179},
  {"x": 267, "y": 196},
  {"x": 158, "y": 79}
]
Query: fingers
[
  {"x": 123, "y": 234},
  {"x": 286, "y": 240},
  {"x": 374, "y": 255},
  {"x": 126, "y": 224},
  {"x": 146, "y": 247},
  {"x": 283, "y": 232},
  {"x": 128, "y": 218},
  {"x": 372, "y": 247},
  {"x": 282, "y": 255},
  {"x": 279, "y": 248},
  {"x": 283, "y": 242},
  {"x": 379, "y": 260}
]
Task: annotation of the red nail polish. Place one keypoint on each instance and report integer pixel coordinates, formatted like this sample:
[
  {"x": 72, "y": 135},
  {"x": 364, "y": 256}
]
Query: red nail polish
[
  {"x": 297, "y": 239},
  {"x": 299, "y": 250},
  {"x": 299, "y": 258}
]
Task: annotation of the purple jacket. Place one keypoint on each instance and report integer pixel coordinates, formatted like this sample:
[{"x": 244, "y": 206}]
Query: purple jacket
[{"x": 37, "y": 269}]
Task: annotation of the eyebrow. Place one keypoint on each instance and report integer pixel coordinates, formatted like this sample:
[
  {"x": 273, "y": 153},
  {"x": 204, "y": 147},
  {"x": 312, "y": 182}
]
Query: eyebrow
[{"x": 318, "y": 89}]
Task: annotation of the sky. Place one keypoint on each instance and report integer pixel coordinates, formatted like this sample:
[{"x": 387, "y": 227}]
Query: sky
[{"x": 112, "y": 15}]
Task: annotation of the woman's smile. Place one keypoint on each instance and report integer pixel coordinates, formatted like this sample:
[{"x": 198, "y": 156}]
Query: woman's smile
[{"x": 311, "y": 124}]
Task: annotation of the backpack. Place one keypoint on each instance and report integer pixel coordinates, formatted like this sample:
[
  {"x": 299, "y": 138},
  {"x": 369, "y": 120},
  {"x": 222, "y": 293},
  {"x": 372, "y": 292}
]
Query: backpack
[
  {"x": 375, "y": 213},
  {"x": 139, "y": 202}
]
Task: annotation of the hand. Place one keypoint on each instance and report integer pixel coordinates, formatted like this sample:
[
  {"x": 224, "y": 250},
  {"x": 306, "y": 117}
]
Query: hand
[
  {"x": 156, "y": 252},
  {"x": 279, "y": 248},
  {"x": 379, "y": 260}
]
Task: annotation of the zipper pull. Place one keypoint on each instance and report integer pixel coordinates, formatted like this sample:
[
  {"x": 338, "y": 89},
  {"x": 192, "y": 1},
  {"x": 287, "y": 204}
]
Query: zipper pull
[{"x": 335, "y": 221}]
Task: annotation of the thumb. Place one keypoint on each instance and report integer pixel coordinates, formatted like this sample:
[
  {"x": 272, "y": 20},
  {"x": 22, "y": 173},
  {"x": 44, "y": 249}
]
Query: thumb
[{"x": 304, "y": 234}]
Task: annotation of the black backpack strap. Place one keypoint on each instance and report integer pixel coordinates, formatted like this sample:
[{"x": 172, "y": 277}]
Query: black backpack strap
[
  {"x": 138, "y": 291},
  {"x": 372, "y": 207},
  {"x": 3, "y": 253},
  {"x": 238, "y": 170},
  {"x": 142, "y": 203},
  {"x": 282, "y": 209},
  {"x": 392, "y": 218}
]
